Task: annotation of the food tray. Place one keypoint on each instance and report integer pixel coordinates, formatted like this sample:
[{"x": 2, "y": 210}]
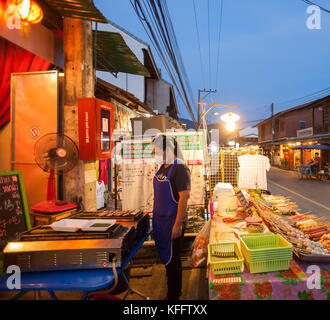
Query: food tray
[
  {"x": 312, "y": 257},
  {"x": 98, "y": 225},
  {"x": 268, "y": 266},
  {"x": 229, "y": 265},
  {"x": 68, "y": 225},
  {"x": 265, "y": 246}
]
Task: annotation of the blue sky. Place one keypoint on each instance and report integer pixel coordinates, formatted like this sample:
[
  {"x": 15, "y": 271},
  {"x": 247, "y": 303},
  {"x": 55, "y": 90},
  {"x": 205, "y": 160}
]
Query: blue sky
[{"x": 267, "y": 53}]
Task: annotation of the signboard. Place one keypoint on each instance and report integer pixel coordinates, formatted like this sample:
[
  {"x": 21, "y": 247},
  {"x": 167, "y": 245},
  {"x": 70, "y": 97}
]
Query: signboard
[
  {"x": 305, "y": 133},
  {"x": 190, "y": 141},
  {"x": 137, "y": 150},
  {"x": 138, "y": 169},
  {"x": 14, "y": 215}
]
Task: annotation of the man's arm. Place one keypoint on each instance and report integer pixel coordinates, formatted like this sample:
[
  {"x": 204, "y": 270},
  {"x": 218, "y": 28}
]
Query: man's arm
[{"x": 181, "y": 214}]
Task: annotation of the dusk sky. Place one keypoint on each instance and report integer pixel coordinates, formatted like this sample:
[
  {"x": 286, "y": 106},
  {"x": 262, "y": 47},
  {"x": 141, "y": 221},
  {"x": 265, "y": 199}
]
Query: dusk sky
[{"x": 267, "y": 53}]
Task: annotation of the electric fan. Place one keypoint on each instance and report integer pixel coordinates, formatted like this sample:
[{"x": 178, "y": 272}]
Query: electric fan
[{"x": 57, "y": 154}]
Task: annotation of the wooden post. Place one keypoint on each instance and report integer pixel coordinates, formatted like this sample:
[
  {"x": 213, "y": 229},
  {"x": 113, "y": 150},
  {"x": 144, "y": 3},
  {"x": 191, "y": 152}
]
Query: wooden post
[{"x": 80, "y": 183}]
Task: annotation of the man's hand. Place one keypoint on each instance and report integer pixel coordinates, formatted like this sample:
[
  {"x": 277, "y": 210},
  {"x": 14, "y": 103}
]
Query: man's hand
[{"x": 176, "y": 231}]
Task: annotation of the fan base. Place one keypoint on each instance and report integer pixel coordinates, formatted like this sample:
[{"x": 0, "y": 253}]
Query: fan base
[{"x": 53, "y": 206}]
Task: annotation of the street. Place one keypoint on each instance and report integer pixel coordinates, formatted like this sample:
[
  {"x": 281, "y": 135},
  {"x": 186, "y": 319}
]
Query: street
[{"x": 310, "y": 195}]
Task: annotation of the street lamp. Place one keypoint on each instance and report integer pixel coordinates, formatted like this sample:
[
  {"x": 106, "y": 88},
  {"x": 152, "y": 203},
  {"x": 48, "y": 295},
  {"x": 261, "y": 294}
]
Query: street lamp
[{"x": 230, "y": 118}]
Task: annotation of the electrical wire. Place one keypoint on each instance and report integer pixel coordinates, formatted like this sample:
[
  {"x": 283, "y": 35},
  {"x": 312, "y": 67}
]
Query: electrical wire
[
  {"x": 314, "y": 4},
  {"x": 156, "y": 21},
  {"x": 307, "y": 98},
  {"x": 209, "y": 34},
  {"x": 219, "y": 43},
  {"x": 199, "y": 44}
]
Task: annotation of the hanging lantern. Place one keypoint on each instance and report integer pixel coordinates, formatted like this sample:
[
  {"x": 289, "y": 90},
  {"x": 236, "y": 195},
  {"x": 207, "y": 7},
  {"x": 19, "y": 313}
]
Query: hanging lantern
[
  {"x": 23, "y": 8},
  {"x": 36, "y": 13},
  {"x": 29, "y": 11}
]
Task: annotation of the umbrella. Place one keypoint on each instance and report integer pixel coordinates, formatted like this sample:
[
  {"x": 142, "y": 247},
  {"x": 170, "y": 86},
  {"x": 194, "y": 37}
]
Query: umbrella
[{"x": 313, "y": 146}]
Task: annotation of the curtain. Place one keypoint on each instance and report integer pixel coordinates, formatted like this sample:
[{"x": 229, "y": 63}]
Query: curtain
[{"x": 14, "y": 59}]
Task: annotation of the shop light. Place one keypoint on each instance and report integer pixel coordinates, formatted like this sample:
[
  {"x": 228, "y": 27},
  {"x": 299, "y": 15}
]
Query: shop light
[
  {"x": 29, "y": 11},
  {"x": 148, "y": 115}
]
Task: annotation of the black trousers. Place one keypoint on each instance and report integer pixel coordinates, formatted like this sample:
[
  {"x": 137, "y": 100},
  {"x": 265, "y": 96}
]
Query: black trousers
[{"x": 174, "y": 270}]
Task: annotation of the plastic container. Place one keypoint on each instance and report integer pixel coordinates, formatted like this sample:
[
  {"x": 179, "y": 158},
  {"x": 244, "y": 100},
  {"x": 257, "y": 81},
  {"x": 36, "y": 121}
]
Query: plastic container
[
  {"x": 266, "y": 252},
  {"x": 265, "y": 245},
  {"x": 268, "y": 266},
  {"x": 227, "y": 205},
  {"x": 227, "y": 266}
]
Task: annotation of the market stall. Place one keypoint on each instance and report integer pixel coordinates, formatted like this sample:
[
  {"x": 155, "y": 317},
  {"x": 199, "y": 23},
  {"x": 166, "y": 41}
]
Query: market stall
[
  {"x": 266, "y": 250},
  {"x": 138, "y": 167},
  {"x": 86, "y": 251}
]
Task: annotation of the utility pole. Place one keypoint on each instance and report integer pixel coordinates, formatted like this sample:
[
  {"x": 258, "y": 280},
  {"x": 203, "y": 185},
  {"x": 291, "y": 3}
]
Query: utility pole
[
  {"x": 272, "y": 117},
  {"x": 200, "y": 100},
  {"x": 273, "y": 133}
]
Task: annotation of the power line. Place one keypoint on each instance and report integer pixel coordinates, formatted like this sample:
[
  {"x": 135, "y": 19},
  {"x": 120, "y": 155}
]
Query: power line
[
  {"x": 156, "y": 21},
  {"x": 209, "y": 33},
  {"x": 219, "y": 42},
  {"x": 199, "y": 44},
  {"x": 307, "y": 98},
  {"x": 314, "y": 4}
]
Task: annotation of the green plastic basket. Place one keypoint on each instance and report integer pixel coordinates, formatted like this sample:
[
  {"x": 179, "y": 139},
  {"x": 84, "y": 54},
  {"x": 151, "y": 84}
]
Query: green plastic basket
[
  {"x": 268, "y": 266},
  {"x": 228, "y": 266},
  {"x": 265, "y": 247}
]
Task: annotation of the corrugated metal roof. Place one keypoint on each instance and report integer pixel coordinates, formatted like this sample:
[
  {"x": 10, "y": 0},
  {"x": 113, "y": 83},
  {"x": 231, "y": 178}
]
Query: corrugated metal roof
[
  {"x": 79, "y": 9},
  {"x": 113, "y": 54}
]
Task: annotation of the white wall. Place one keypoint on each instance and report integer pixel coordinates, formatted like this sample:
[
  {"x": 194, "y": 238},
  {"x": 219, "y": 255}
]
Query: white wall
[
  {"x": 129, "y": 82},
  {"x": 158, "y": 95}
]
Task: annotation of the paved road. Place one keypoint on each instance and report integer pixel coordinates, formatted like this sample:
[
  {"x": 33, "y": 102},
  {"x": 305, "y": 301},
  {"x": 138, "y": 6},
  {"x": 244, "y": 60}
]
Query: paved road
[{"x": 310, "y": 195}]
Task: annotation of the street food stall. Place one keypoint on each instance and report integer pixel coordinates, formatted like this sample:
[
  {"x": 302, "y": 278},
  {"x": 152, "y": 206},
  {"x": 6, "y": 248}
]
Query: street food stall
[{"x": 267, "y": 250}]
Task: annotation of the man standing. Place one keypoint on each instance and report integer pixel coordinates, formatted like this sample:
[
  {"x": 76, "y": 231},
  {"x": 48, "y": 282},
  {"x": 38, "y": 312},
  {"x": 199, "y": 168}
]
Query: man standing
[{"x": 171, "y": 194}]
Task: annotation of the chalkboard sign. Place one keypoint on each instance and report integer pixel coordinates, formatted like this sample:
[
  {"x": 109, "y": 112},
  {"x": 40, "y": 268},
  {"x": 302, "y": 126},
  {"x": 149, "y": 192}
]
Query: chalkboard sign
[
  {"x": 14, "y": 214},
  {"x": 243, "y": 201}
]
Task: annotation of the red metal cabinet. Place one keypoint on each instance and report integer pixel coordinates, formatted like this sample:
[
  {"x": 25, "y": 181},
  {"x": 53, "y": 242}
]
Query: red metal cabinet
[{"x": 95, "y": 120}]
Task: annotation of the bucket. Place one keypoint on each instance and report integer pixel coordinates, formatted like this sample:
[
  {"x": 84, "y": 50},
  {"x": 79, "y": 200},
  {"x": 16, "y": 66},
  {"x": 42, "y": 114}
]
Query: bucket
[{"x": 227, "y": 205}]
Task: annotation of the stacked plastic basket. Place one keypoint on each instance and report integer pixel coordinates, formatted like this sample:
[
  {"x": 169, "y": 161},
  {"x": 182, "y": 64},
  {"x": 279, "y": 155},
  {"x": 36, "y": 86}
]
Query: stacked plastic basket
[{"x": 266, "y": 252}]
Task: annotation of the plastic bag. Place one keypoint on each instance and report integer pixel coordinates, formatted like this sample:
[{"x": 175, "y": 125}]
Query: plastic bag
[{"x": 198, "y": 256}]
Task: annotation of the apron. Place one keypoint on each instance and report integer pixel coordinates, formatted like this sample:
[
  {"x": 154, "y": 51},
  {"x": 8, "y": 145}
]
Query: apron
[{"x": 164, "y": 215}]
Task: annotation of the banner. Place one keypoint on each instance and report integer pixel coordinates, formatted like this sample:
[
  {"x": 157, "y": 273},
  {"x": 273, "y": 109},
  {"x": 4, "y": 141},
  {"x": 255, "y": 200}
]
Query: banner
[{"x": 139, "y": 168}]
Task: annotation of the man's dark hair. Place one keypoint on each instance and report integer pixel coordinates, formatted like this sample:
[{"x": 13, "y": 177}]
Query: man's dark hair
[{"x": 316, "y": 153}]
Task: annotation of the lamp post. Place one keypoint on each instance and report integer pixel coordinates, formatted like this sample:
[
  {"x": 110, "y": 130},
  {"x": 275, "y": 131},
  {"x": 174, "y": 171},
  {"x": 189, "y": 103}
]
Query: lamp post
[{"x": 229, "y": 118}]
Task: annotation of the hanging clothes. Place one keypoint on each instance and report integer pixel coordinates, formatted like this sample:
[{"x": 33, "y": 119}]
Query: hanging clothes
[
  {"x": 100, "y": 188},
  {"x": 253, "y": 171},
  {"x": 104, "y": 166}
]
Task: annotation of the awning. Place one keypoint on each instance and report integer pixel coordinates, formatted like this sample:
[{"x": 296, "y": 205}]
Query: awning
[
  {"x": 313, "y": 146},
  {"x": 113, "y": 55},
  {"x": 79, "y": 9}
]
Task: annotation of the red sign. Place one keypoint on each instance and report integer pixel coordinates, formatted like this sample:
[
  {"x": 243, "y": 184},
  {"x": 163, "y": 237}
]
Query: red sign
[
  {"x": 34, "y": 132},
  {"x": 194, "y": 162}
]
